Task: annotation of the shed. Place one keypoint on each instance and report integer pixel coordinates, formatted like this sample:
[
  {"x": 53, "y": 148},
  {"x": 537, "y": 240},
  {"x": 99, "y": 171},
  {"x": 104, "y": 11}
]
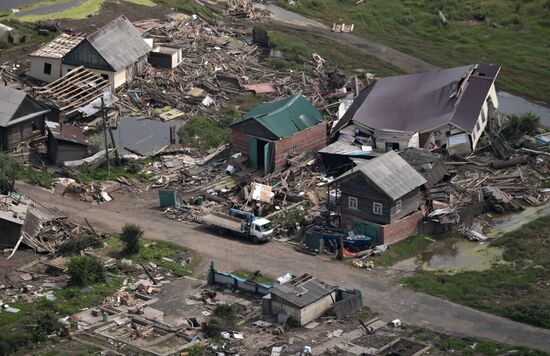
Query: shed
[
  {"x": 65, "y": 142},
  {"x": 304, "y": 298},
  {"x": 21, "y": 118},
  {"x": 429, "y": 164},
  {"x": 271, "y": 133},
  {"x": 166, "y": 56},
  {"x": 382, "y": 191},
  {"x": 116, "y": 51},
  {"x": 46, "y": 61}
]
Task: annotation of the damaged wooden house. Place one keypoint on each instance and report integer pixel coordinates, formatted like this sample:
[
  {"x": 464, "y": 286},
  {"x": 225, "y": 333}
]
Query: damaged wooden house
[
  {"x": 274, "y": 132},
  {"x": 21, "y": 118},
  {"x": 379, "y": 198},
  {"x": 116, "y": 52},
  {"x": 446, "y": 109},
  {"x": 46, "y": 61},
  {"x": 65, "y": 142}
]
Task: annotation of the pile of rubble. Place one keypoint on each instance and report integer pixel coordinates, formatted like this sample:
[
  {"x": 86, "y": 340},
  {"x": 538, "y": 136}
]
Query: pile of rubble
[
  {"x": 245, "y": 9},
  {"x": 218, "y": 62}
]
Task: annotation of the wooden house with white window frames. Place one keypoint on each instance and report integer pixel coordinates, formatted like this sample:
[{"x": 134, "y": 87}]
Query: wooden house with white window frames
[{"x": 376, "y": 194}]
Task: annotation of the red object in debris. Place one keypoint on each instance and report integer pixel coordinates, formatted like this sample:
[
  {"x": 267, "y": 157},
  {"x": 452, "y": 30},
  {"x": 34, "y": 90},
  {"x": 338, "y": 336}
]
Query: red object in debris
[
  {"x": 260, "y": 88},
  {"x": 347, "y": 253}
]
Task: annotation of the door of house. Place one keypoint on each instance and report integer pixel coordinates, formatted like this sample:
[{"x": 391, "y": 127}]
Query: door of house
[
  {"x": 367, "y": 230},
  {"x": 253, "y": 153}
]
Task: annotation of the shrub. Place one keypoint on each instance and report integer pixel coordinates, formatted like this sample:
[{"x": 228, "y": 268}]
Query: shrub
[
  {"x": 80, "y": 243},
  {"x": 519, "y": 125},
  {"x": 86, "y": 270},
  {"x": 131, "y": 234}
]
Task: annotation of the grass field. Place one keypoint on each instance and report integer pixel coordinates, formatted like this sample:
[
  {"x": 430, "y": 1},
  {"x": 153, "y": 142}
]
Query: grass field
[
  {"x": 298, "y": 46},
  {"x": 514, "y": 34},
  {"x": 402, "y": 250},
  {"x": 519, "y": 290}
]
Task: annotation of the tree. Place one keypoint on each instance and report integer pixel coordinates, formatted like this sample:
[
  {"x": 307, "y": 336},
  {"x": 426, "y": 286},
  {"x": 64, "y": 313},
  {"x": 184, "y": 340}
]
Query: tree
[
  {"x": 8, "y": 171},
  {"x": 131, "y": 234},
  {"x": 86, "y": 270}
]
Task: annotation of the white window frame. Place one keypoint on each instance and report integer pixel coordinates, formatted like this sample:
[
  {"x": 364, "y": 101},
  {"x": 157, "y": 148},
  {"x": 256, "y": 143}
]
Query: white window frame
[
  {"x": 377, "y": 208},
  {"x": 398, "y": 206},
  {"x": 355, "y": 204}
]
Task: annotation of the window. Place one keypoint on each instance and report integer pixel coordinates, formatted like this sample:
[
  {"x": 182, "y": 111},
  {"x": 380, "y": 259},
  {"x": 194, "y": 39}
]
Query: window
[
  {"x": 398, "y": 206},
  {"x": 294, "y": 149},
  {"x": 352, "y": 203},
  {"x": 47, "y": 68},
  {"x": 377, "y": 208},
  {"x": 349, "y": 225},
  {"x": 105, "y": 76}
]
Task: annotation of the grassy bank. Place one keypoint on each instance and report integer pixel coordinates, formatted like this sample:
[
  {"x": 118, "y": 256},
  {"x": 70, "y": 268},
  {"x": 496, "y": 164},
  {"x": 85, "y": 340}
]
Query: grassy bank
[
  {"x": 515, "y": 34},
  {"x": 402, "y": 250},
  {"x": 259, "y": 278},
  {"x": 519, "y": 290},
  {"x": 13, "y": 169},
  {"x": 89, "y": 7},
  {"x": 298, "y": 46}
]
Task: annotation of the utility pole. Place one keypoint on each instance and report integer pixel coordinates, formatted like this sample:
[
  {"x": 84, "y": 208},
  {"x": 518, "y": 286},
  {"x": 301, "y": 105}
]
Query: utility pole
[{"x": 105, "y": 137}]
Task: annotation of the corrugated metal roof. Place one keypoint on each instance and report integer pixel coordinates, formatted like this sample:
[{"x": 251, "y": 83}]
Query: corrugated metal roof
[
  {"x": 390, "y": 173},
  {"x": 10, "y": 101},
  {"x": 285, "y": 117},
  {"x": 66, "y": 132},
  {"x": 424, "y": 101},
  {"x": 119, "y": 43}
]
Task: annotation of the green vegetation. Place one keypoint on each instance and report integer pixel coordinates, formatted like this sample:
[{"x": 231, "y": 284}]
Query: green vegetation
[
  {"x": 253, "y": 276},
  {"x": 87, "y": 8},
  {"x": 289, "y": 219},
  {"x": 224, "y": 318},
  {"x": 36, "y": 321},
  {"x": 130, "y": 172},
  {"x": 130, "y": 237},
  {"x": 79, "y": 243},
  {"x": 519, "y": 290},
  {"x": 86, "y": 270},
  {"x": 11, "y": 169},
  {"x": 195, "y": 350},
  {"x": 514, "y": 34},
  {"x": 298, "y": 47},
  {"x": 468, "y": 346},
  {"x": 188, "y": 7},
  {"x": 158, "y": 252},
  {"x": 204, "y": 133},
  {"x": 26, "y": 30},
  {"x": 519, "y": 125},
  {"x": 402, "y": 250}
]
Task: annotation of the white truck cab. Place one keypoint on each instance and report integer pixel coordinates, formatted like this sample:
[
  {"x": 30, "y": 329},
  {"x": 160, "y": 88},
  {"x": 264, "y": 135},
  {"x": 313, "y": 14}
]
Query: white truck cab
[{"x": 261, "y": 229}]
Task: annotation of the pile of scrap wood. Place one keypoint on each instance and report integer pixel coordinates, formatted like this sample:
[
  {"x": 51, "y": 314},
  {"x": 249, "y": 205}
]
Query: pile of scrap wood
[
  {"x": 504, "y": 185},
  {"x": 218, "y": 62},
  {"x": 245, "y": 9}
]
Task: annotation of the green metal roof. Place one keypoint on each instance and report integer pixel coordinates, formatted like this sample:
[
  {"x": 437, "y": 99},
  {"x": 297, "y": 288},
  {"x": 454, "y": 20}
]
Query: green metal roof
[{"x": 285, "y": 117}]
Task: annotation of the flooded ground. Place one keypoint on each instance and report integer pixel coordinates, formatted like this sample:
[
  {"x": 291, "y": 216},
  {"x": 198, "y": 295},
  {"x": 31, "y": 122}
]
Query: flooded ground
[
  {"x": 506, "y": 223},
  {"x": 14, "y": 4},
  {"x": 143, "y": 135},
  {"x": 458, "y": 254}
]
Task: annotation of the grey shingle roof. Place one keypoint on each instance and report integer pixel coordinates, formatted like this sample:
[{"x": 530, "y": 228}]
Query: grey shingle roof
[
  {"x": 119, "y": 43},
  {"x": 390, "y": 173}
]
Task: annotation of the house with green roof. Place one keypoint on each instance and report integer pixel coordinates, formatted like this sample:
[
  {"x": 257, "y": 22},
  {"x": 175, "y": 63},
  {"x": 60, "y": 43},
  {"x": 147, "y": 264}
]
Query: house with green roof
[{"x": 271, "y": 133}]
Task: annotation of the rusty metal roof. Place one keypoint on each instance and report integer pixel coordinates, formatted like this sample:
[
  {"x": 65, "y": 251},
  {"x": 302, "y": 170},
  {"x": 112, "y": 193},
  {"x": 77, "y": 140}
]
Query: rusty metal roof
[{"x": 66, "y": 132}]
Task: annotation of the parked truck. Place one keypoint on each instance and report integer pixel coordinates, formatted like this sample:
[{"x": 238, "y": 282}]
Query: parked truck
[{"x": 242, "y": 223}]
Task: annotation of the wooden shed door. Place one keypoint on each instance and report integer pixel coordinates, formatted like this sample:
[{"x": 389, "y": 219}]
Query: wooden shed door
[{"x": 268, "y": 150}]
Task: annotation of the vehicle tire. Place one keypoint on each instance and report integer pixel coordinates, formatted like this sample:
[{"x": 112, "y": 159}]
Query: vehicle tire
[{"x": 255, "y": 239}]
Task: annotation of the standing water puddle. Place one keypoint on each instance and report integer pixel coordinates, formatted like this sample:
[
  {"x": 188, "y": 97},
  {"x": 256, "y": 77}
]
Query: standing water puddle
[{"x": 457, "y": 254}]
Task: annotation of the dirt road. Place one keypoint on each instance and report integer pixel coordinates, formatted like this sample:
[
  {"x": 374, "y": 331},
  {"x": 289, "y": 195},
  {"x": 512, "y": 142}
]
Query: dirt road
[{"x": 390, "y": 300}]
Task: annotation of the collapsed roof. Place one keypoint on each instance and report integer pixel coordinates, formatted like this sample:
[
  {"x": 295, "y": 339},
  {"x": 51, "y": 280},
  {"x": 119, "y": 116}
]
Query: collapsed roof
[
  {"x": 302, "y": 291},
  {"x": 67, "y": 133},
  {"x": 58, "y": 47},
  {"x": 390, "y": 173},
  {"x": 424, "y": 101},
  {"x": 285, "y": 117}
]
